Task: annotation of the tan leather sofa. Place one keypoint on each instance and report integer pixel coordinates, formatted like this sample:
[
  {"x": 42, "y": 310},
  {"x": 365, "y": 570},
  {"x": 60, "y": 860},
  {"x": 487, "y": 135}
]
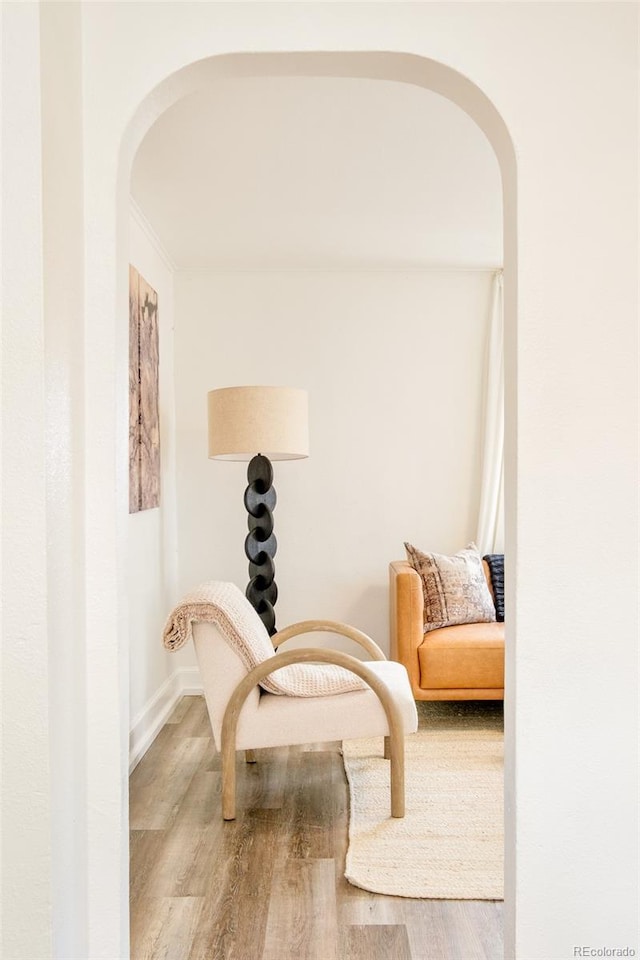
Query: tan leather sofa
[{"x": 464, "y": 662}]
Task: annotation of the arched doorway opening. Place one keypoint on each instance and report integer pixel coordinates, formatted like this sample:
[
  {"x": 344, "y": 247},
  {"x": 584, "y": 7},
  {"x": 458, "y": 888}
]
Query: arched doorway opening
[{"x": 399, "y": 67}]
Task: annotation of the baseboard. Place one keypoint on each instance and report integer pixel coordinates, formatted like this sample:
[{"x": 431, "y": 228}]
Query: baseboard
[
  {"x": 191, "y": 684},
  {"x": 148, "y": 723}
]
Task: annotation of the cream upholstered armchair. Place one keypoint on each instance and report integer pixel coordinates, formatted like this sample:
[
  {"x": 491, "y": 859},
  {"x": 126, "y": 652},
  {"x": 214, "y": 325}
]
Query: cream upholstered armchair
[{"x": 259, "y": 698}]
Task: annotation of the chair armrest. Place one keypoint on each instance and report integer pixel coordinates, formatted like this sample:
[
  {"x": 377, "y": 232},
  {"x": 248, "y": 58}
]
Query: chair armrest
[
  {"x": 311, "y": 655},
  {"x": 329, "y": 626},
  {"x": 406, "y": 608}
]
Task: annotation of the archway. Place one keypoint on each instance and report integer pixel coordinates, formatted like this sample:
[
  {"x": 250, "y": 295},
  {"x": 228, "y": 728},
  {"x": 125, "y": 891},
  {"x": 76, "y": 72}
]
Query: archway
[{"x": 388, "y": 66}]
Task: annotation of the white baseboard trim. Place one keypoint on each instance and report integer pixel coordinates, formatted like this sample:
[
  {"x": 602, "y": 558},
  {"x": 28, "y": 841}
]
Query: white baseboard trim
[
  {"x": 148, "y": 723},
  {"x": 190, "y": 681}
]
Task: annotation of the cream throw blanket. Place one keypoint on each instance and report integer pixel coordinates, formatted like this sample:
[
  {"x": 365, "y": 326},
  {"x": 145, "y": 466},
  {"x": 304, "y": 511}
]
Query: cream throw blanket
[{"x": 224, "y": 605}]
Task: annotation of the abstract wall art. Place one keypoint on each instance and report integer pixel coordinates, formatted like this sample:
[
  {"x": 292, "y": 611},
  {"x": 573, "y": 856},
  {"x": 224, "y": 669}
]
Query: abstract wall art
[{"x": 144, "y": 419}]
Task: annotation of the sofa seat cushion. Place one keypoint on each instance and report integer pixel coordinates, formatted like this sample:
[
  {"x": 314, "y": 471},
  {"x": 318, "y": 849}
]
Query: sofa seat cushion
[{"x": 465, "y": 656}]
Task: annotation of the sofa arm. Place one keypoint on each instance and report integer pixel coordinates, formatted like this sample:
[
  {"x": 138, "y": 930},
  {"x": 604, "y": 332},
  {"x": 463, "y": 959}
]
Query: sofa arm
[{"x": 406, "y": 603}]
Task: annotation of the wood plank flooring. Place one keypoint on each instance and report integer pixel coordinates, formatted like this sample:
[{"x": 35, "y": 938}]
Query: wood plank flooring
[{"x": 268, "y": 885}]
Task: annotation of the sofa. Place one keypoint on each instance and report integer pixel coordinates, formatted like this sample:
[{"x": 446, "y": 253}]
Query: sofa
[{"x": 462, "y": 662}]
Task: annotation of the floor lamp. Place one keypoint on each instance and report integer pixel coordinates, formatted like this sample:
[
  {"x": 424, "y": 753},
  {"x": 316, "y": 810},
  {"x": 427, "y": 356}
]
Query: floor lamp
[{"x": 259, "y": 424}]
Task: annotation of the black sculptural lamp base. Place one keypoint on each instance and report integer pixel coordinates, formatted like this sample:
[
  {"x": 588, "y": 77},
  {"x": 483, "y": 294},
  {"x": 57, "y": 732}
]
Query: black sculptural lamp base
[{"x": 260, "y": 545}]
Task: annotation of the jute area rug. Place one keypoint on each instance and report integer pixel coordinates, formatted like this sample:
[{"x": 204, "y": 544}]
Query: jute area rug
[{"x": 450, "y": 843}]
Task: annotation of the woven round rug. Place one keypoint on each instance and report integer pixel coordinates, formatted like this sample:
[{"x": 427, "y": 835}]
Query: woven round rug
[{"x": 449, "y": 845}]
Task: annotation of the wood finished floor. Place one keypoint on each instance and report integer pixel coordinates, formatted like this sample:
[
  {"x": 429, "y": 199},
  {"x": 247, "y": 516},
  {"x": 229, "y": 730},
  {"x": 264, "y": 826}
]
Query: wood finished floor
[{"x": 269, "y": 885}]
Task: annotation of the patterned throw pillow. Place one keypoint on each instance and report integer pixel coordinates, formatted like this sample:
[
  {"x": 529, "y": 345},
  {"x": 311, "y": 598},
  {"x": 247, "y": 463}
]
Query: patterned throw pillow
[{"x": 455, "y": 588}]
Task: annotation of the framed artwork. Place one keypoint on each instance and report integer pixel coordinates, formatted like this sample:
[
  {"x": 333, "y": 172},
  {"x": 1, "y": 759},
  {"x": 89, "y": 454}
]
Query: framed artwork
[{"x": 144, "y": 419}]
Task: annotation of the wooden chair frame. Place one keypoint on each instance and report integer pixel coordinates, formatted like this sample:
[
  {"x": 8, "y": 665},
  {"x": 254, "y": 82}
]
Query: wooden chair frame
[{"x": 394, "y": 742}]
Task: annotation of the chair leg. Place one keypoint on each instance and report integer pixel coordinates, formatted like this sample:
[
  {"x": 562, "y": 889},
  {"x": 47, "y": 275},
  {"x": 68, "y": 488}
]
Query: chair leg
[
  {"x": 250, "y": 756},
  {"x": 396, "y": 750},
  {"x": 229, "y": 780},
  {"x": 387, "y": 748}
]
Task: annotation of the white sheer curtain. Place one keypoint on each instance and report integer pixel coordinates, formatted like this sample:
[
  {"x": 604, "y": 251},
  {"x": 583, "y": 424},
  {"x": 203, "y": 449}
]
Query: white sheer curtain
[{"x": 490, "y": 536}]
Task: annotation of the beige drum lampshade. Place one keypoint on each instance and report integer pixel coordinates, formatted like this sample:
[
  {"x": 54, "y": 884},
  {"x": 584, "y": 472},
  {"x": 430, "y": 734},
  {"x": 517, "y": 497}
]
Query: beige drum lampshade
[{"x": 244, "y": 421}]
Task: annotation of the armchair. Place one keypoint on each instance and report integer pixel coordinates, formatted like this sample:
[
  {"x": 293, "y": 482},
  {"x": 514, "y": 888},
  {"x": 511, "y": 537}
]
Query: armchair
[{"x": 348, "y": 700}]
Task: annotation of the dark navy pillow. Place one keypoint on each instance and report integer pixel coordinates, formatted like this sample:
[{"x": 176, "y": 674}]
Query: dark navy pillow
[{"x": 496, "y": 569}]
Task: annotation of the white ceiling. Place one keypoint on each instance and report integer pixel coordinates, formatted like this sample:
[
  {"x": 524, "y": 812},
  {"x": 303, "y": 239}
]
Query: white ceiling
[{"x": 320, "y": 172}]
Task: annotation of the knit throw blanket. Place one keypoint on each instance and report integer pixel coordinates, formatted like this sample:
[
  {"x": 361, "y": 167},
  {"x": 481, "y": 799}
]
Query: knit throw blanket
[
  {"x": 496, "y": 569},
  {"x": 224, "y": 605}
]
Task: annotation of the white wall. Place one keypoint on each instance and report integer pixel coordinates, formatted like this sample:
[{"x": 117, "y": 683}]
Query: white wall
[
  {"x": 351, "y": 169},
  {"x": 156, "y": 677},
  {"x": 26, "y": 771},
  {"x": 572, "y": 428},
  {"x": 393, "y": 362},
  {"x": 64, "y": 382}
]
